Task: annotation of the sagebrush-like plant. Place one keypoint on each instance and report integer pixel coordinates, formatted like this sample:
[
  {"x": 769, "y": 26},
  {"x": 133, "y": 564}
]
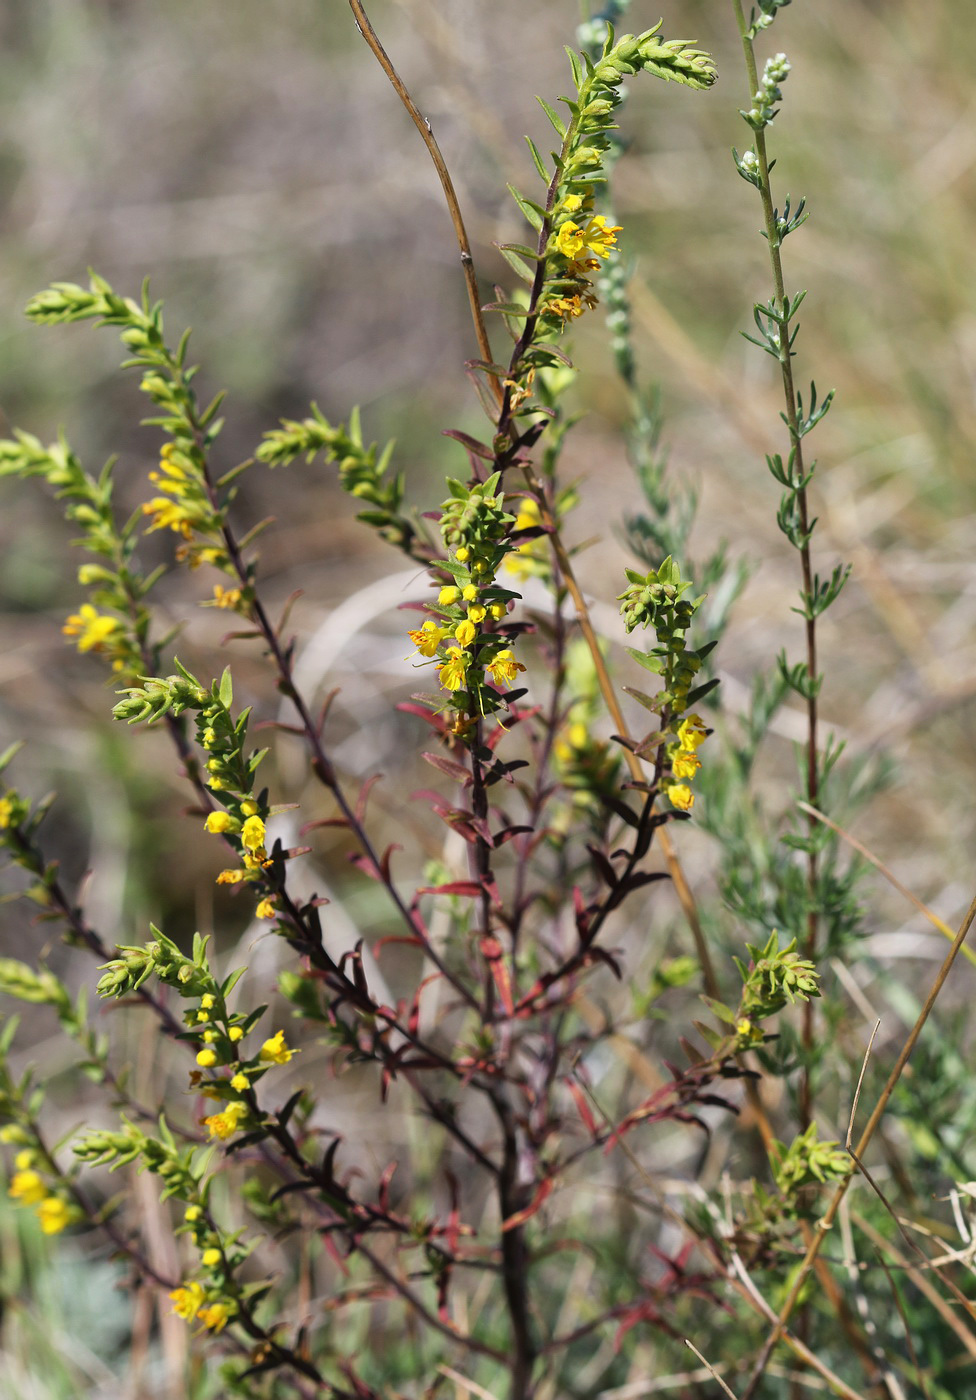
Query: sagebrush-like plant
[{"x": 522, "y": 1209}]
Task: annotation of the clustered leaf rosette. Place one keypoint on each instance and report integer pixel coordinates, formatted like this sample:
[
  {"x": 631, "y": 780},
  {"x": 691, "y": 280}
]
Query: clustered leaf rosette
[
  {"x": 773, "y": 979},
  {"x": 467, "y": 642},
  {"x": 656, "y": 600}
]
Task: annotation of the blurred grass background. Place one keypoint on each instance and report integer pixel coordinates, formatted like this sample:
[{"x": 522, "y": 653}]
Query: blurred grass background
[{"x": 249, "y": 155}]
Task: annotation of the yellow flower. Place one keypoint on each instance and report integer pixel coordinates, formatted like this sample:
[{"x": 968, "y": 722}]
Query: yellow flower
[
  {"x": 569, "y": 239},
  {"x": 428, "y": 638},
  {"x": 448, "y": 595},
  {"x": 54, "y": 1214},
  {"x": 249, "y": 808},
  {"x": 92, "y": 628},
  {"x": 207, "y": 555},
  {"x": 504, "y": 668},
  {"x": 680, "y": 796},
  {"x": 187, "y": 1300},
  {"x": 596, "y": 236},
  {"x": 252, "y": 834},
  {"x": 600, "y": 236},
  {"x": 191, "y": 1214},
  {"x": 463, "y": 554},
  {"x": 230, "y": 877},
  {"x": 240, "y": 1082},
  {"x": 214, "y": 1316},
  {"x": 469, "y": 593},
  {"x": 477, "y": 614},
  {"x": 225, "y": 1124},
  {"x": 208, "y": 1001},
  {"x": 465, "y": 632},
  {"x": 210, "y": 1258},
  {"x": 452, "y": 674},
  {"x": 684, "y": 764},
  {"x": 6, "y": 811},
  {"x": 206, "y": 1059},
  {"x": 235, "y": 1033},
  {"x": 225, "y": 597},
  {"x": 266, "y": 909},
  {"x": 498, "y": 611},
  {"x": 219, "y": 822},
  {"x": 572, "y": 203},
  {"x": 748, "y": 1033},
  {"x": 691, "y": 732},
  {"x": 169, "y": 515},
  {"x": 27, "y": 1188},
  {"x": 529, "y": 516},
  {"x": 275, "y": 1051}
]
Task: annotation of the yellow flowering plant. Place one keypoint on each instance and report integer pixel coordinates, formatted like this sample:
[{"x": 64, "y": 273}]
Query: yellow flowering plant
[{"x": 377, "y": 1145}]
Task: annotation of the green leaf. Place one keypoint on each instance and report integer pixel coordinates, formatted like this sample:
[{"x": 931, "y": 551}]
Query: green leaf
[
  {"x": 558, "y": 125},
  {"x": 647, "y": 701},
  {"x": 508, "y": 308},
  {"x": 514, "y": 261},
  {"x": 532, "y": 211},
  {"x": 8, "y": 754},
  {"x": 540, "y": 164},
  {"x": 649, "y": 663},
  {"x": 226, "y": 690}
]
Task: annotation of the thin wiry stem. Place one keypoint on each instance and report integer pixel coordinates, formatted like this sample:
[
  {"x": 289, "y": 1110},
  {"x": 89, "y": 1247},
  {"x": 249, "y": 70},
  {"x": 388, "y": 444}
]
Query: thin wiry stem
[
  {"x": 774, "y": 241},
  {"x": 447, "y": 184}
]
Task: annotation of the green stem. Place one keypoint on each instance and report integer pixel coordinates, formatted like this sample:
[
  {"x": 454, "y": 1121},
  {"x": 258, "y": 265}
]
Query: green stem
[{"x": 798, "y": 471}]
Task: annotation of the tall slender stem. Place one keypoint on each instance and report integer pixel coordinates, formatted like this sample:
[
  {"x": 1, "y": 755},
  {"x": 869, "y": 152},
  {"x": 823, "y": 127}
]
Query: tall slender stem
[{"x": 797, "y": 472}]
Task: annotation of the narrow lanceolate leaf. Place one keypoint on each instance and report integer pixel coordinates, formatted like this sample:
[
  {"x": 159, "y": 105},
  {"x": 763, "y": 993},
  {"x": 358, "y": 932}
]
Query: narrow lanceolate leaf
[
  {"x": 532, "y": 211},
  {"x": 508, "y": 308},
  {"x": 516, "y": 262},
  {"x": 539, "y": 163},
  {"x": 577, "y": 66},
  {"x": 558, "y": 125}
]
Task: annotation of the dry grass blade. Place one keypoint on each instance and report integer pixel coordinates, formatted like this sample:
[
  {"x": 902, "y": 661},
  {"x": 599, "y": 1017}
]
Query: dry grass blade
[{"x": 710, "y": 1368}]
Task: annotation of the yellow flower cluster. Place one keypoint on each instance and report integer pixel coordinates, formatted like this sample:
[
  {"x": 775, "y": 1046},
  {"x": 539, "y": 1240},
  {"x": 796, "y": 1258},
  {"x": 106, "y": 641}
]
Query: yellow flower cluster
[
  {"x": 28, "y": 1188},
  {"x": 250, "y": 830},
  {"x": 190, "y": 1301},
  {"x": 185, "y": 508},
  {"x": 582, "y": 238},
  {"x": 458, "y": 662},
  {"x": 94, "y": 630},
  {"x": 220, "y": 1039},
  {"x": 685, "y": 762}
]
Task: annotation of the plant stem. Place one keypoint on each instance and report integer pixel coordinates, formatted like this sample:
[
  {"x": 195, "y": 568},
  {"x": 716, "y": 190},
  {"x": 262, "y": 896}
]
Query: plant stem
[
  {"x": 447, "y": 184},
  {"x": 797, "y": 470}
]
